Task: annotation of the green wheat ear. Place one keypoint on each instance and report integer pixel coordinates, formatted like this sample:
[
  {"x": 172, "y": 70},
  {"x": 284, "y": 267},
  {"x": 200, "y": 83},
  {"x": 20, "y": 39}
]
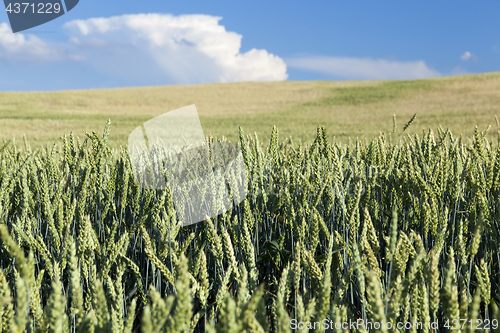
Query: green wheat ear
[
  {"x": 409, "y": 122},
  {"x": 56, "y": 319}
]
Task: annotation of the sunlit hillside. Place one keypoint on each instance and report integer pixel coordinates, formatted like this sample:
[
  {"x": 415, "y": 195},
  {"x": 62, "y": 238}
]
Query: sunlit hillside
[{"x": 356, "y": 109}]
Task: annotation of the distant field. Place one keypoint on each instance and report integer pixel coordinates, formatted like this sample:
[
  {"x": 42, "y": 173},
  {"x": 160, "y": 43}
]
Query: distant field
[{"x": 347, "y": 109}]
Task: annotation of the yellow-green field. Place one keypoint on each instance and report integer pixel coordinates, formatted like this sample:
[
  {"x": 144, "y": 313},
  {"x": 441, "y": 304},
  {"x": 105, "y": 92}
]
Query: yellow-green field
[{"x": 347, "y": 109}]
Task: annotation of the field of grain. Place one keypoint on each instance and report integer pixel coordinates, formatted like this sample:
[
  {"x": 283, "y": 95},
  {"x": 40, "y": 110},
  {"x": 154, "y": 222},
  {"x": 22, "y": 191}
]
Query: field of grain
[
  {"x": 400, "y": 229},
  {"x": 354, "y": 109}
]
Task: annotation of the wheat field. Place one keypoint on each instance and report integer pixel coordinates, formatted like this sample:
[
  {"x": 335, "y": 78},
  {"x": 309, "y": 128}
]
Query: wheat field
[{"x": 402, "y": 228}]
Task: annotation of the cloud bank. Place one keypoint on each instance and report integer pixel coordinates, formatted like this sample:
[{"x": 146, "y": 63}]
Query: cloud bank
[
  {"x": 364, "y": 68},
  {"x": 156, "y": 49},
  {"x": 148, "y": 49},
  {"x": 185, "y": 49}
]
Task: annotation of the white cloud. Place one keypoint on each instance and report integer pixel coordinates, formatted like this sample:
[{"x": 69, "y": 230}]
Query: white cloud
[
  {"x": 182, "y": 49},
  {"x": 469, "y": 56},
  {"x": 364, "y": 68},
  {"x": 27, "y": 48},
  {"x": 466, "y": 56}
]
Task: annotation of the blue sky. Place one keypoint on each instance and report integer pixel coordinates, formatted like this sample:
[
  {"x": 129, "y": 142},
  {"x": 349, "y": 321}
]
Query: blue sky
[{"x": 105, "y": 44}]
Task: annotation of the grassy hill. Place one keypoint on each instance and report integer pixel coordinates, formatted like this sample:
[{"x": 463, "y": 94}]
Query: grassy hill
[{"x": 347, "y": 109}]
